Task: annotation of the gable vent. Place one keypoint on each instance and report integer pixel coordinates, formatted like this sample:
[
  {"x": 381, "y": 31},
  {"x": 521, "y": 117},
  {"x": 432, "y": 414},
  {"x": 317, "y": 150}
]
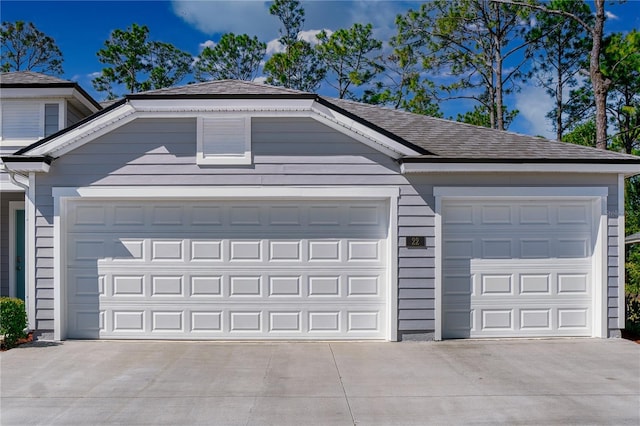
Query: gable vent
[{"x": 224, "y": 140}]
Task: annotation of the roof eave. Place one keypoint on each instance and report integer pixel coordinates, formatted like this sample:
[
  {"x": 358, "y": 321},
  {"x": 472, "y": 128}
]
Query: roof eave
[
  {"x": 628, "y": 167},
  {"x": 23, "y": 164}
]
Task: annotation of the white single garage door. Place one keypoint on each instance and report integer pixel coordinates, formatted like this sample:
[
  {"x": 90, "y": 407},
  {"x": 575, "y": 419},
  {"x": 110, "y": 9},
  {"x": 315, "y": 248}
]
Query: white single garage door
[
  {"x": 517, "y": 268},
  {"x": 227, "y": 269}
]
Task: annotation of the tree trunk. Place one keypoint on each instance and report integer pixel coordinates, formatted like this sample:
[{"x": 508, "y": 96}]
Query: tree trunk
[
  {"x": 599, "y": 82},
  {"x": 559, "y": 106}
]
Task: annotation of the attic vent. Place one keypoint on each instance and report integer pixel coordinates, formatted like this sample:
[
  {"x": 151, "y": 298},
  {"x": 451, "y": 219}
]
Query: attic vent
[{"x": 224, "y": 140}]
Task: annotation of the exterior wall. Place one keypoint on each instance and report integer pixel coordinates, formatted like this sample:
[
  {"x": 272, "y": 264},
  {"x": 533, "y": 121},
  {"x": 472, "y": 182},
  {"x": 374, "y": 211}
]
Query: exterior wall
[
  {"x": 286, "y": 151},
  {"x": 5, "y": 199}
]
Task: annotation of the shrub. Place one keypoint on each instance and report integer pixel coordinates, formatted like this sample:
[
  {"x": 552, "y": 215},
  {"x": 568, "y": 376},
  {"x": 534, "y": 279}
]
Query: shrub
[
  {"x": 13, "y": 320},
  {"x": 633, "y": 313}
]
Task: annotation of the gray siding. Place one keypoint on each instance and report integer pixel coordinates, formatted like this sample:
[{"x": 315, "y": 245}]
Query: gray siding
[
  {"x": 73, "y": 114},
  {"x": 5, "y": 199},
  {"x": 286, "y": 151}
]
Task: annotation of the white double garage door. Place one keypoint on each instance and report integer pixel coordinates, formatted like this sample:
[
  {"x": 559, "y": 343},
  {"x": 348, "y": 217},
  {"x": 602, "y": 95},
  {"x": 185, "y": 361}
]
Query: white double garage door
[{"x": 227, "y": 269}]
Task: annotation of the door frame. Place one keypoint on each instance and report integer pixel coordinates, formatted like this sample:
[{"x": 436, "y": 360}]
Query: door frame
[
  {"x": 596, "y": 194},
  {"x": 14, "y": 206}
]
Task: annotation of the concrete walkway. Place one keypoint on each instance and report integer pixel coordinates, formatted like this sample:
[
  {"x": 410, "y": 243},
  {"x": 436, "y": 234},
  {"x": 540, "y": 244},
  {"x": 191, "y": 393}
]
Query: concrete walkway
[{"x": 572, "y": 381}]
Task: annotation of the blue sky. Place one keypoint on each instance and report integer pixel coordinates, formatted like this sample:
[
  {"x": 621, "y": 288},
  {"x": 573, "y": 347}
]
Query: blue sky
[{"x": 81, "y": 27}]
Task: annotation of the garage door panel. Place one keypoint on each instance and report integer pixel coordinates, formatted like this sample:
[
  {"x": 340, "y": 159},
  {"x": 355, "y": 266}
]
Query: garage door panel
[
  {"x": 87, "y": 249},
  {"x": 232, "y": 322},
  {"x": 238, "y": 216},
  {"x": 528, "y": 264},
  {"x": 249, "y": 270}
]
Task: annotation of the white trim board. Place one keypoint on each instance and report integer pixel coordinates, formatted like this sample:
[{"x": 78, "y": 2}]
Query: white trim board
[
  {"x": 521, "y": 167},
  {"x": 62, "y": 195},
  {"x": 598, "y": 195}
]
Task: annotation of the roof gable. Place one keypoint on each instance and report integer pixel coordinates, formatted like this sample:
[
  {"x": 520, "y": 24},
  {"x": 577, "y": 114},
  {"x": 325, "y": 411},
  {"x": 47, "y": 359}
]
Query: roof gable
[{"x": 409, "y": 137}]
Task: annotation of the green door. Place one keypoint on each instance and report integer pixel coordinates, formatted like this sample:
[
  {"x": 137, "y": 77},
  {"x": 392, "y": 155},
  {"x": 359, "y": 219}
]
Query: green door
[{"x": 20, "y": 264}]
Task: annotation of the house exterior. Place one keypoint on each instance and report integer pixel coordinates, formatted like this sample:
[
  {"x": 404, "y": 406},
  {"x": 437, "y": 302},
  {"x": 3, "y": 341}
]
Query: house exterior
[
  {"x": 234, "y": 210},
  {"x": 32, "y": 106}
]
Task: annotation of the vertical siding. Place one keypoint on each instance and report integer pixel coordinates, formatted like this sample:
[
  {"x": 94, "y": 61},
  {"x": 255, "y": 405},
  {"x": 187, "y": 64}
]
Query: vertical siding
[
  {"x": 5, "y": 199},
  {"x": 286, "y": 151}
]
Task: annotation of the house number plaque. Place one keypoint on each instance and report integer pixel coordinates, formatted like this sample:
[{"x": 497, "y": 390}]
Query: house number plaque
[{"x": 416, "y": 242}]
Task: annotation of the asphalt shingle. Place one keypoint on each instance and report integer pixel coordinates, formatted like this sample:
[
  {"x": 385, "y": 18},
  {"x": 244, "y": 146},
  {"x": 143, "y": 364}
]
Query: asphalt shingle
[{"x": 29, "y": 78}]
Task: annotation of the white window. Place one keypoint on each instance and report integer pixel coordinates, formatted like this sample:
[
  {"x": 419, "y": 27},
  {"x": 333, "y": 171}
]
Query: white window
[
  {"x": 224, "y": 140},
  {"x": 51, "y": 120}
]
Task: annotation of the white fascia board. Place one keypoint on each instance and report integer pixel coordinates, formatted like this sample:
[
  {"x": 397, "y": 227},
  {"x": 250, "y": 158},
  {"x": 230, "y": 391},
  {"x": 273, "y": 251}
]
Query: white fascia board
[
  {"x": 340, "y": 121},
  {"x": 524, "y": 167},
  {"x": 37, "y": 92},
  {"x": 235, "y": 192},
  {"x": 88, "y": 131},
  {"x": 186, "y": 107},
  {"x": 27, "y": 166}
]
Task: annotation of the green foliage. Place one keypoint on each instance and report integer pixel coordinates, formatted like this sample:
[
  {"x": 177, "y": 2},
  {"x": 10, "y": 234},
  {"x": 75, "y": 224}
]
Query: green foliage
[
  {"x": 346, "y": 55},
  {"x": 25, "y": 48},
  {"x": 234, "y": 57},
  {"x": 620, "y": 63},
  {"x": 632, "y": 322},
  {"x": 481, "y": 114},
  {"x": 401, "y": 85},
  {"x": 299, "y": 66},
  {"x": 470, "y": 40},
  {"x": 13, "y": 320},
  {"x": 291, "y": 15},
  {"x": 563, "y": 50},
  {"x": 582, "y": 134},
  {"x": 138, "y": 63}
]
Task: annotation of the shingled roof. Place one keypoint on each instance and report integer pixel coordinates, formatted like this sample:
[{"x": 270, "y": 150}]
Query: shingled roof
[
  {"x": 30, "y": 78},
  {"x": 36, "y": 80},
  {"x": 447, "y": 139},
  {"x": 236, "y": 88},
  {"x": 441, "y": 140}
]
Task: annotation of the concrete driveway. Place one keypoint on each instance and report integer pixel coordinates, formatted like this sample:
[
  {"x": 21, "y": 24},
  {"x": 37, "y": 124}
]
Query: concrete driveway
[{"x": 573, "y": 381}]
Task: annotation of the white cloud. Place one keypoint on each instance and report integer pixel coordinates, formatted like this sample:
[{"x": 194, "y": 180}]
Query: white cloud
[
  {"x": 610, "y": 15},
  {"x": 92, "y": 75},
  {"x": 534, "y": 104},
  {"x": 218, "y": 17},
  {"x": 209, "y": 43},
  {"x": 253, "y": 18},
  {"x": 311, "y": 36},
  {"x": 262, "y": 80},
  {"x": 274, "y": 46}
]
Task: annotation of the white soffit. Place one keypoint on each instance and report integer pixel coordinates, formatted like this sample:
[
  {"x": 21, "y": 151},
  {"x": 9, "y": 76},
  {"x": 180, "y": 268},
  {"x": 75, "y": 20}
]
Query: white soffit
[{"x": 176, "y": 108}]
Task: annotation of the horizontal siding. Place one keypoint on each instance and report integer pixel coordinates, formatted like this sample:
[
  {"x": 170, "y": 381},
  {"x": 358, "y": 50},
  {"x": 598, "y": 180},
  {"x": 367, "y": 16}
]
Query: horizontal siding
[{"x": 286, "y": 151}]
